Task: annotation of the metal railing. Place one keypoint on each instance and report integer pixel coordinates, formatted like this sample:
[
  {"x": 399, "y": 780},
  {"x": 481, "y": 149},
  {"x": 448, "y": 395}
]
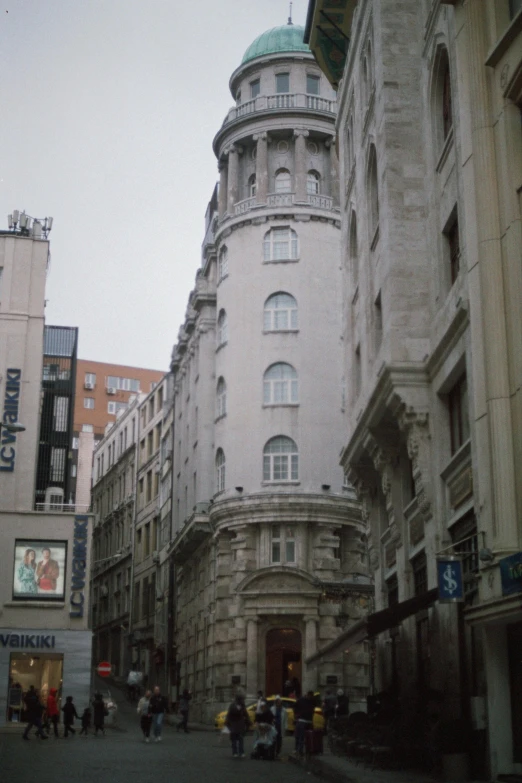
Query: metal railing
[{"x": 62, "y": 508}]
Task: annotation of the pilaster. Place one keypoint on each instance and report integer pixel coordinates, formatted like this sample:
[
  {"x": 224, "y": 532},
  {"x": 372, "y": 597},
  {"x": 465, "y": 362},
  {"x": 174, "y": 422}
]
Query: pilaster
[{"x": 300, "y": 164}]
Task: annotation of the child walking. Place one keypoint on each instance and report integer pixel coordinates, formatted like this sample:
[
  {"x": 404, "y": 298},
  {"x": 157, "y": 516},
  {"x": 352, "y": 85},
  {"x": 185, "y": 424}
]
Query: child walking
[
  {"x": 69, "y": 714},
  {"x": 86, "y": 721}
]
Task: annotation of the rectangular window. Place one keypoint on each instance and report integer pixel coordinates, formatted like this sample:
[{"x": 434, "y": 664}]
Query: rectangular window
[
  {"x": 90, "y": 379},
  {"x": 255, "y": 88},
  {"x": 459, "y": 414},
  {"x": 149, "y": 487},
  {"x": 276, "y": 545},
  {"x": 289, "y": 546},
  {"x": 392, "y": 590},
  {"x": 146, "y": 541},
  {"x": 136, "y": 607},
  {"x": 76, "y": 443},
  {"x": 61, "y": 410},
  {"x": 452, "y": 236},
  {"x": 420, "y": 574},
  {"x": 140, "y": 492},
  {"x": 57, "y": 464},
  {"x": 312, "y": 84},
  {"x": 87, "y": 428},
  {"x": 150, "y": 443},
  {"x": 282, "y": 82},
  {"x": 88, "y": 402}
]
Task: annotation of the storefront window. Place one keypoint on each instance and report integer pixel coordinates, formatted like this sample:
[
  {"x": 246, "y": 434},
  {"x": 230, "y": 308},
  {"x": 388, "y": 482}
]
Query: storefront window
[{"x": 42, "y": 670}]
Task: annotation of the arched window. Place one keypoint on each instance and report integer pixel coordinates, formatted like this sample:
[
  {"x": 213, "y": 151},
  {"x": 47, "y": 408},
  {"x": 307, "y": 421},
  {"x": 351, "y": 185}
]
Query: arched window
[
  {"x": 312, "y": 183},
  {"x": 354, "y": 258},
  {"x": 280, "y": 386},
  {"x": 283, "y": 181},
  {"x": 280, "y": 313},
  {"x": 373, "y": 192},
  {"x": 252, "y": 186},
  {"x": 280, "y": 244},
  {"x": 447, "y": 117},
  {"x": 221, "y": 398},
  {"x": 222, "y": 328},
  {"x": 280, "y": 460},
  {"x": 223, "y": 263},
  {"x": 220, "y": 470}
]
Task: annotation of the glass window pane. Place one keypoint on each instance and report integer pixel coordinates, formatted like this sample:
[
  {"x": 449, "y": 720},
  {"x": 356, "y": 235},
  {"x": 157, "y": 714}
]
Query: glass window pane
[
  {"x": 293, "y": 319},
  {"x": 290, "y": 551},
  {"x": 266, "y": 468},
  {"x": 267, "y": 320},
  {"x": 312, "y": 84},
  {"x": 266, "y": 392},
  {"x": 283, "y": 82},
  {"x": 254, "y": 88},
  {"x": 281, "y": 319},
  {"x": 294, "y": 467},
  {"x": 294, "y": 396},
  {"x": 276, "y": 552}
]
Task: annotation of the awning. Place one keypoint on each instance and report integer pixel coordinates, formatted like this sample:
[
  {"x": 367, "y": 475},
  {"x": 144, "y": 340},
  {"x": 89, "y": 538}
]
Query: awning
[{"x": 376, "y": 623}]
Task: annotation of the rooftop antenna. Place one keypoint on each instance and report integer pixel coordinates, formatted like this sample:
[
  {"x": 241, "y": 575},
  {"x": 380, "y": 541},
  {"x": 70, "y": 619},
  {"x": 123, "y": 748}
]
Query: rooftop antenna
[{"x": 290, "y": 15}]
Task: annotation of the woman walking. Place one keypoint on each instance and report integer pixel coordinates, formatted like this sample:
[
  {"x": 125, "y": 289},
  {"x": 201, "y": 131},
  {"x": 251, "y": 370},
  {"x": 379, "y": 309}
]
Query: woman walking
[
  {"x": 145, "y": 716},
  {"x": 99, "y": 713},
  {"x": 237, "y": 723}
]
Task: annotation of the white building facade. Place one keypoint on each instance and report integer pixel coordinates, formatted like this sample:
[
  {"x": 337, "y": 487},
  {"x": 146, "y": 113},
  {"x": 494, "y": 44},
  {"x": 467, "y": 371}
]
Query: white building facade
[{"x": 268, "y": 546}]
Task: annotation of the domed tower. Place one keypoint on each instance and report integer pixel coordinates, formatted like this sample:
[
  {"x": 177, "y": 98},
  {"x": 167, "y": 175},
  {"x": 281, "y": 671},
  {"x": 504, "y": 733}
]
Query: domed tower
[{"x": 286, "y": 534}]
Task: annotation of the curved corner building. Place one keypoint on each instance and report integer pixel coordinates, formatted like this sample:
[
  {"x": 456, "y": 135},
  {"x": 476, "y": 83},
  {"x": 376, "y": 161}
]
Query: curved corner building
[{"x": 268, "y": 543}]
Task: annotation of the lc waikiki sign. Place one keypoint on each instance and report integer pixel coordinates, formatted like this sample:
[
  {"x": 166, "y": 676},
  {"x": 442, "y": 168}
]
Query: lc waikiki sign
[
  {"x": 79, "y": 564},
  {"x": 10, "y": 416}
]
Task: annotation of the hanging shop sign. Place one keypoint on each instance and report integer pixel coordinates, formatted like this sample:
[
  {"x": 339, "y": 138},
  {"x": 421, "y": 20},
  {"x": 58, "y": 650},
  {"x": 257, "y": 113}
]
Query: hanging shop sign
[
  {"x": 79, "y": 564},
  {"x": 450, "y": 580},
  {"x": 10, "y": 416},
  {"x": 511, "y": 574}
]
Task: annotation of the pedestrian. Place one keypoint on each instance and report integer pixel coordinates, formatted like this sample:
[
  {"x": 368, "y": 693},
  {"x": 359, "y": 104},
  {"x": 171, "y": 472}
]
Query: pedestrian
[
  {"x": 34, "y": 712},
  {"x": 86, "y": 721},
  {"x": 145, "y": 716},
  {"x": 304, "y": 715},
  {"x": 53, "y": 713},
  {"x": 237, "y": 722},
  {"x": 100, "y": 712},
  {"x": 280, "y": 722},
  {"x": 260, "y": 698},
  {"x": 264, "y": 714},
  {"x": 329, "y": 706},
  {"x": 69, "y": 714},
  {"x": 184, "y": 704},
  {"x": 343, "y": 704},
  {"x": 157, "y": 709}
]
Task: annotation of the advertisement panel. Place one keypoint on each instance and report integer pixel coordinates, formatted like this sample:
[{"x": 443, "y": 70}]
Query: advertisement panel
[{"x": 39, "y": 570}]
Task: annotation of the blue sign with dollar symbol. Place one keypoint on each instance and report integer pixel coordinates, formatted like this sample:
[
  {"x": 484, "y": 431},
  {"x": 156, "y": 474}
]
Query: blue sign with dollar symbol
[{"x": 449, "y": 577}]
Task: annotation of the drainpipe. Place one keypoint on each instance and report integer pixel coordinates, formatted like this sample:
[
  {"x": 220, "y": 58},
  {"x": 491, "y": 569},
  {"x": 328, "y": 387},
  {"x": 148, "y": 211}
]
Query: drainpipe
[{"x": 133, "y": 537}]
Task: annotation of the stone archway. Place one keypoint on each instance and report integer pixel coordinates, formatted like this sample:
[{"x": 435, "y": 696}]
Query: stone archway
[{"x": 283, "y": 659}]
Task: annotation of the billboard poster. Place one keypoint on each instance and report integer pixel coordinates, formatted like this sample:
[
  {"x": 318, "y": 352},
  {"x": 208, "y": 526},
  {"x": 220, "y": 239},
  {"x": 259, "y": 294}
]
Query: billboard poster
[{"x": 39, "y": 570}]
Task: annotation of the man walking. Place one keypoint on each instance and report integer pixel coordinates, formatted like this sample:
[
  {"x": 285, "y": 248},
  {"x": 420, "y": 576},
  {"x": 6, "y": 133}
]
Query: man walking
[
  {"x": 34, "y": 714},
  {"x": 304, "y": 715},
  {"x": 184, "y": 706},
  {"x": 157, "y": 708}
]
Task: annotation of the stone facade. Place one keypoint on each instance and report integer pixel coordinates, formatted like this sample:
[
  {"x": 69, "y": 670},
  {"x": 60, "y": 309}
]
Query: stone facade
[
  {"x": 268, "y": 541},
  {"x": 429, "y": 146}
]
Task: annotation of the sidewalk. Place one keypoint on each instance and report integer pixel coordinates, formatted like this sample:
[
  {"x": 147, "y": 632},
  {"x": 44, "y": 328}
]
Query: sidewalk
[{"x": 338, "y": 769}]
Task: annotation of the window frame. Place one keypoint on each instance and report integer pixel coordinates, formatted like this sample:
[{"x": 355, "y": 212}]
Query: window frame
[
  {"x": 278, "y": 77},
  {"x": 459, "y": 420},
  {"x": 282, "y": 181},
  {"x": 282, "y": 390},
  {"x": 313, "y": 183},
  {"x": 223, "y": 263},
  {"x": 222, "y": 328},
  {"x": 221, "y": 398},
  {"x": 281, "y": 467},
  {"x": 255, "y": 88},
  {"x": 220, "y": 467},
  {"x": 280, "y": 539},
  {"x": 275, "y": 313},
  {"x": 88, "y": 400},
  {"x": 313, "y": 77},
  {"x": 273, "y": 248}
]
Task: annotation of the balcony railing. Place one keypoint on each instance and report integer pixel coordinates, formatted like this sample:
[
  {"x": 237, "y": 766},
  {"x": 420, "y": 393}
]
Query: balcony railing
[
  {"x": 283, "y": 100},
  {"x": 315, "y": 200},
  {"x": 62, "y": 508}
]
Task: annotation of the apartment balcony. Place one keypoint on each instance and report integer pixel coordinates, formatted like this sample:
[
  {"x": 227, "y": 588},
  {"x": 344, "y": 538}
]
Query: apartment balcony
[
  {"x": 196, "y": 529},
  {"x": 281, "y": 102},
  {"x": 62, "y": 508},
  {"x": 315, "y": 200}
]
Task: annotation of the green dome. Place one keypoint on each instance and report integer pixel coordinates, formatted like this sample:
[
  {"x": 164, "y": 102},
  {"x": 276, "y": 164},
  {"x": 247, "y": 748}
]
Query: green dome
[{"x": 287, "y": 38}]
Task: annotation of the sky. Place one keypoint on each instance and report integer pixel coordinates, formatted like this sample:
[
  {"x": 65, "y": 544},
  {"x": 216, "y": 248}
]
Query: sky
[{"x": 109, "y": 108}]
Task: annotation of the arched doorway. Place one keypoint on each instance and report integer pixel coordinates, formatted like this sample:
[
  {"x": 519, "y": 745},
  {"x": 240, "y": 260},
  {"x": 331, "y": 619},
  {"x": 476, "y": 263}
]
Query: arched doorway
[{"x": 283, "y": 659}]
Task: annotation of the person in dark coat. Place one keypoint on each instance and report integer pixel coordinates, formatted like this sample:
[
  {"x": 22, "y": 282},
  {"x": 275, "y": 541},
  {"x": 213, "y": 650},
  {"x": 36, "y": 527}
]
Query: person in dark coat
[
  {"x": 237, "y": 722},
  {"x": 86, "y": 721},
  {"x": 99, "y": 711},
  {"x": 343, "y": 703},
  {"x": 34, "y": 711},
  {"x": 157, "y": 708},
  {"x": 304, "y": 709},
  {"x": 69, "y": 714},
  {"x": 184, "y": 704}
]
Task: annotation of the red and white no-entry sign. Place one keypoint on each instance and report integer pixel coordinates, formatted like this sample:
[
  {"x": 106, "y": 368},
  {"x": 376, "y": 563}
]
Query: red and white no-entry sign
[{"x": 103, "y": 669}]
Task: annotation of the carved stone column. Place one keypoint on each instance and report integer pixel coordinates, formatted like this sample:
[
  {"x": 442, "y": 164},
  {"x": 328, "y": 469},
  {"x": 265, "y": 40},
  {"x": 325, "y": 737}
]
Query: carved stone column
[
  {"x": 300, "y": 165},
  {"x": 334, "y": 170},
  {"x": 252, "y": 677},
  {"x": 233, "y": 177},
  {"x": 223, "y": 188},
  {"x": 261, "y": 167},
  {"x": 414, "y": 424},
  {"x": 310, "y": 673}
]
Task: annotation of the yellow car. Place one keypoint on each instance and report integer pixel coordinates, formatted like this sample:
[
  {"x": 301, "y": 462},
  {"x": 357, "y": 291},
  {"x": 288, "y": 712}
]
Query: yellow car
[{"x": 288, "y": 704}]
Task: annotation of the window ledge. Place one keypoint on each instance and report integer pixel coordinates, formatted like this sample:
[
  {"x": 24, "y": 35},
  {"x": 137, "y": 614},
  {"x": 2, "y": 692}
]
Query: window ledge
[
  {"x": 280, "y": 483},
  {"x": 281, "y": 261},
  {"x": 460, "y": 457},
  {"x": 221, "y": 345},
  {"x": 448, "y": 144},
  {"x": 280, "y": 331},
  {"x": 218, "y": 418},
  {"x": 280, "y": 405},
  {"x": 35, "y": 604}
]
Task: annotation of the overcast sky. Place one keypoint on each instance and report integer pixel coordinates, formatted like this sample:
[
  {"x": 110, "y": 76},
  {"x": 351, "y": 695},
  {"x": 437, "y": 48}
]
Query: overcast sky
[{"x": 109, "y": 108}]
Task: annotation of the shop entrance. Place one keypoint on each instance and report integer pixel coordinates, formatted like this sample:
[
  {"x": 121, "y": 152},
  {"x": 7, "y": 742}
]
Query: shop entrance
[
  {"x": 283, "y": 662},
  {"x": 514, "y": 639},
  {"x": 42, "y": 671}
]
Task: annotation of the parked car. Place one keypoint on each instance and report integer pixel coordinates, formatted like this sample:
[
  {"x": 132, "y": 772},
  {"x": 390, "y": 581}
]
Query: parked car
[{"x": 288, "y": 703}]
